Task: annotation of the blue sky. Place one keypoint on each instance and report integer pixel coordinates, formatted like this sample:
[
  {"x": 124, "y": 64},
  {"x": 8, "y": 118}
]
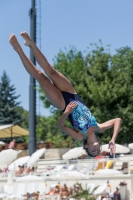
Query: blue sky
[{"x": 64, "y": 23}]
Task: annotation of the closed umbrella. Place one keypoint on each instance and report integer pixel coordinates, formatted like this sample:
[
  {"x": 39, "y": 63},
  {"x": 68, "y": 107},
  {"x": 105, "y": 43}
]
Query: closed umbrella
[
  {"x": 130, "y": 146},
  {"x": 20, "y": 161},
  {"x": 74, "y": 153},
  {"x": 2, "y": 143},
  {"x": 35, "y": 156},
  {"x": 119, "y": 148},
  {"x": 7, "y": 156}
]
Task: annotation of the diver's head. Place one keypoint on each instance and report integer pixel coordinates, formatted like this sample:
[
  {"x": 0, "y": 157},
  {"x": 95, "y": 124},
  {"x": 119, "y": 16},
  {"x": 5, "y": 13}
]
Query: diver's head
[{"x": 92, "y": 148}]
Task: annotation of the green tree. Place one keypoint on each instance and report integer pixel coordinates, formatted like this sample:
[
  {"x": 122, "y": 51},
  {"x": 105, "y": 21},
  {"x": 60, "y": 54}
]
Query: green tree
[
  {"x": 25, "y": 116},
  {"x": 122, "y": 81},
  {"x": 8, "y": 102},
  {"x": 105, "y": 84}
]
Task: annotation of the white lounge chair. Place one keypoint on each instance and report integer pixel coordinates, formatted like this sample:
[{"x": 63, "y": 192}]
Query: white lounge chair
[
  {"x": 71, "y": 167},
  {"x": 57, "y": 197},
  {"x": 118, "y": 165},
  {"x": 90, "y": 168},
  {"x": 58, "y": 168}
]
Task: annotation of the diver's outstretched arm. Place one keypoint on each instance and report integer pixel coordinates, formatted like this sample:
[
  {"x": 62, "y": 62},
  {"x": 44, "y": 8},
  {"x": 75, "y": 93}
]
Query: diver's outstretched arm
[{"x": 115, "y": 123}]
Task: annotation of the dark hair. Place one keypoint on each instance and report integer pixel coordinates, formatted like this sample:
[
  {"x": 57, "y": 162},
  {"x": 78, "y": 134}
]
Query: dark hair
[{"x": 86, "y": 149}]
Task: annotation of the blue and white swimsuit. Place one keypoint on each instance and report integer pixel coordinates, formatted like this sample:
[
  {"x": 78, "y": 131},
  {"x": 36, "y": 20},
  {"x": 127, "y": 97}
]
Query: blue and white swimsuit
[{"x": 81, "y": 118}]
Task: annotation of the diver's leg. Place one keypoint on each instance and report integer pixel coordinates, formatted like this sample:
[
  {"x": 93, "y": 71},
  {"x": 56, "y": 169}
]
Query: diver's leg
[
  {"x": 53, "y": 93},
  {"x": 58, "y": 79}
]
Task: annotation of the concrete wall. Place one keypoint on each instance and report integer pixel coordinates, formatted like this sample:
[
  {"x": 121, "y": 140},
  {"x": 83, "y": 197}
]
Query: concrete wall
[
  {"x": 54, "y": 153},
  {"x": 49, "y": 154}
]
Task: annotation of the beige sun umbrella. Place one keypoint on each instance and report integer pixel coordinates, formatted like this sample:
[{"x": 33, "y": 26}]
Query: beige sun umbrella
[{"x": 11, "y": 130}]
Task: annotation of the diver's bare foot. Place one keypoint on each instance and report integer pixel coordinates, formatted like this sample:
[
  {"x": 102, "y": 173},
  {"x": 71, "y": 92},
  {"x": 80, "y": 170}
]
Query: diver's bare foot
[
  {"x": 13, "y": 41},
  {"x": 28, "y": 40}
]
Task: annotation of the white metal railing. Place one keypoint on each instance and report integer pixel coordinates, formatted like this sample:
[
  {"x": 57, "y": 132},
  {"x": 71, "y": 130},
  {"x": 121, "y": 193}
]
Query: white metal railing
[
  {"x": 86, "y": 166},
  {"x": 83, "y": 167}
]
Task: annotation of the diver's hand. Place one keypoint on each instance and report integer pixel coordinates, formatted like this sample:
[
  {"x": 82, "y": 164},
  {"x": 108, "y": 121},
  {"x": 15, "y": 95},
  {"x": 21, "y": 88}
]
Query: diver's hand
[
  {"x": 112, "y": 147},
  {"x": 70, "y": 107}
]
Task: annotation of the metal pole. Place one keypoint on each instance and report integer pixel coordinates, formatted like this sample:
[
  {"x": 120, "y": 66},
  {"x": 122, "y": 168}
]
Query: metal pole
[{"x": 32, "y": 86}]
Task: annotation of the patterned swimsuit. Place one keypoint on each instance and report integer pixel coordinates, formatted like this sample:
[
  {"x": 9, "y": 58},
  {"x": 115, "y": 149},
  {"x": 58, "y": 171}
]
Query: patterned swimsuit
[{"x": 81, "y": 118}]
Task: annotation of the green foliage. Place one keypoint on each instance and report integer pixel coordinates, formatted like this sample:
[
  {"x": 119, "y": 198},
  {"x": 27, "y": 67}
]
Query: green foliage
[
  {"x": 8, "y": 102},
  {"x": 86, "y": 194},
  {"x": 58, "y": 140},
  {"x": 24, "y": 123},
  {"x": 47, "y": 130},
  {"x": 47, "y": 125},
  {"x": 25, "y": 116},
  {"x": 105, "y": 84}
]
